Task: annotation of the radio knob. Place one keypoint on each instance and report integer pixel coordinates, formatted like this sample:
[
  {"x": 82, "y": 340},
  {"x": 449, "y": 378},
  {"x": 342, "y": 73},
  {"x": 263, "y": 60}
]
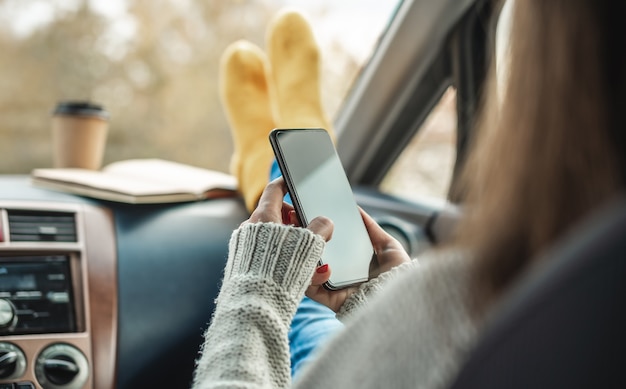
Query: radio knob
[
  {"x": 12, "y": 361},
  {"x": 61, "y": 366},
  {"x": 61, "y": 369},
  {"x": 8, "y": 360},
  {"x": 7, "y": 313}
]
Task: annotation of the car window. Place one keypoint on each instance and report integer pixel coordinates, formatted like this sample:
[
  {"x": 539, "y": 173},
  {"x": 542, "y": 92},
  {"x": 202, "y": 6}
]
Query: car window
[
  {"x": 424, "y": 168},
  {"x": 154, "y": 66}
]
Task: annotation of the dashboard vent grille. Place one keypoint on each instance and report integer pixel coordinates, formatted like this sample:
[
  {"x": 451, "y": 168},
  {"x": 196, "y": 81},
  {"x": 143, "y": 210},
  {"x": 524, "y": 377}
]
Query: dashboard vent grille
[{"x": 41, "y": 226}]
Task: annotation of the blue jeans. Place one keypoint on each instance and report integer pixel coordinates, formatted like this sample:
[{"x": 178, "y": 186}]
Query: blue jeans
[{"x": 312, "y": 324}]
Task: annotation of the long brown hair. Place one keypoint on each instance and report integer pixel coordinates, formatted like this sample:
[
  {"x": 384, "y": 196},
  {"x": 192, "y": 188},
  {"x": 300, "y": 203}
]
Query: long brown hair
[{"x": 551, "y": 147}]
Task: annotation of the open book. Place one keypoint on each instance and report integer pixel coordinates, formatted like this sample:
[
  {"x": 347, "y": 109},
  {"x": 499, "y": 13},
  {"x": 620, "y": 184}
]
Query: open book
[{"x": 139, "y": 181}]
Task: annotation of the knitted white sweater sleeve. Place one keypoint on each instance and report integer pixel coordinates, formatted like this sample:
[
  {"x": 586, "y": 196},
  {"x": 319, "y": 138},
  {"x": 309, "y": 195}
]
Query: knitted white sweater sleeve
[
  {"x": 370, "y": 288},
  {"x": 246, "y": 346}
]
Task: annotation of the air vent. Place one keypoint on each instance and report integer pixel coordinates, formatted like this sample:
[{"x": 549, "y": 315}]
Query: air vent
[{"x": 41, "y": 226}]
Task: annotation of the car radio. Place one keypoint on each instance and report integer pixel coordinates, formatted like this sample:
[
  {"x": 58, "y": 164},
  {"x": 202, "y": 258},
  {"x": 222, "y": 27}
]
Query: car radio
[
  {"x": 57, "y": 296},
  {"x": 36, "y": 295}
]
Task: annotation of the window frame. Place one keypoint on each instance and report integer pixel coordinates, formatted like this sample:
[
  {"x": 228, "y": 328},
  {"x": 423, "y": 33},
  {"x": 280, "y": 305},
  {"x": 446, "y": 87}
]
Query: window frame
[{"x": 428, "y": 46}]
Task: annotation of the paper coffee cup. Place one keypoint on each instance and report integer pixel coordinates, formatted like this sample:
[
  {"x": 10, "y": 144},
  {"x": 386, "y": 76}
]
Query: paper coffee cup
[{"x": 79, "y": 133}]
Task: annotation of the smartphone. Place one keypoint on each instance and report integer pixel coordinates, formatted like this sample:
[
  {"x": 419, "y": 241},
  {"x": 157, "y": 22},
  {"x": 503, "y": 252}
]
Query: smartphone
[{"x": 318, "y": 186}]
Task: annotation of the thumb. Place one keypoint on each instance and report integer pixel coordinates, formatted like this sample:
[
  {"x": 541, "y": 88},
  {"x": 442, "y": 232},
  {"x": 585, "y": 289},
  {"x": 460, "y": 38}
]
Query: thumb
[{"x": 322, "y": 226}]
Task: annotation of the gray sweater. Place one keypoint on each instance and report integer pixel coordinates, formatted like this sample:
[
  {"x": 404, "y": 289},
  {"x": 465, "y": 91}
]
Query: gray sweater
[{"x": 408, "y": 328}]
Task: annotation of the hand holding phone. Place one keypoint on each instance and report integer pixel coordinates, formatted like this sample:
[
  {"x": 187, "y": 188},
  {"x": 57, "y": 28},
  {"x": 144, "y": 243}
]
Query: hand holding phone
[
  {"x": 389, "y": 254},
  {"x": 319, "y": 186}
]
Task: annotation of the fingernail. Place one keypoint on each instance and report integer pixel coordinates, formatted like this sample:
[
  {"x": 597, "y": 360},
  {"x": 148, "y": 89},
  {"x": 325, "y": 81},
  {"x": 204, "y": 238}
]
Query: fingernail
[{"x": 322, "y": 269}]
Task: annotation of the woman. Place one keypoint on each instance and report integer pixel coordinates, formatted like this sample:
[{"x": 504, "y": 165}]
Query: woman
[{"x": 557, "y": 135}]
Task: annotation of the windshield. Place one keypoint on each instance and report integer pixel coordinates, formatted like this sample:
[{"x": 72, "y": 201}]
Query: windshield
[{"x": 154, "y": 66}]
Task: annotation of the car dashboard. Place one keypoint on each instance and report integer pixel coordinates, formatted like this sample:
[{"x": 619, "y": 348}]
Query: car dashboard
[{"x": 98, "y": 294}]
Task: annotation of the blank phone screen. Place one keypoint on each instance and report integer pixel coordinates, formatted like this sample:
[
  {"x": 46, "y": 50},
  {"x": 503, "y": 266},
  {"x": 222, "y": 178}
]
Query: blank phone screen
[{"x": 318, "y": 186}]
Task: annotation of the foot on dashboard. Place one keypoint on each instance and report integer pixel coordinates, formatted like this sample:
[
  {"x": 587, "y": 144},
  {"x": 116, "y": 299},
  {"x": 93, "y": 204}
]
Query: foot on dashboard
[
  {"x": 245, "y": 94},
  {"x": 295, "y": 62}
]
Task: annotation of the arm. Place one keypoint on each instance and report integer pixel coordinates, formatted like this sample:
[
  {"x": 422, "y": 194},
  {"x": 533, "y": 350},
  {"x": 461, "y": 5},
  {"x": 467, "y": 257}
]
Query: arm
[
  {"x": 367, "y": 290},
  {"x": 268, "y": 270}
]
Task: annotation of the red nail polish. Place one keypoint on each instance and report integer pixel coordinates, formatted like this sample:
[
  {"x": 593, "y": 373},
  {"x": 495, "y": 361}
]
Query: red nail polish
[{"x": 322, "y": 269}]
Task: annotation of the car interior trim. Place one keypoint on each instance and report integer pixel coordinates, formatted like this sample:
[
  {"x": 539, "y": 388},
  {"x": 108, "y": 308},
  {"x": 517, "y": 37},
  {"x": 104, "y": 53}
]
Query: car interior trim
[
  {"x": 92, "y": 261},
  {"x": 399, "y": 66}
]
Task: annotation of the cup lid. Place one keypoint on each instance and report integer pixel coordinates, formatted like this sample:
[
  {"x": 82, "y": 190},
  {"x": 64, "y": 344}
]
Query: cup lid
[{"x": 81, "y": 108}]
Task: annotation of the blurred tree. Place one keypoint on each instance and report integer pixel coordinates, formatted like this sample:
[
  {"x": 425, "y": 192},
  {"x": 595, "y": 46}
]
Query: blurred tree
[
  {"x": 50, "y": 64},
  {"x": 161, "y": 92},
  {"x": 153, "y": 65}
]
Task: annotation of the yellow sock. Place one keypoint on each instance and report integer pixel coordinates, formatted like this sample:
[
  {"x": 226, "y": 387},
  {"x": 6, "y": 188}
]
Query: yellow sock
[
  {"x": 245, "y": 95},
  {"x": 295, "y": 62}
]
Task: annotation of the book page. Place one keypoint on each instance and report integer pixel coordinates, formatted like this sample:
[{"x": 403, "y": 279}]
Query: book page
[
  {"x": 162, "y": 173},
  {"x": 107, "y": 182},
  {"x": 139, "y": 178}
]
